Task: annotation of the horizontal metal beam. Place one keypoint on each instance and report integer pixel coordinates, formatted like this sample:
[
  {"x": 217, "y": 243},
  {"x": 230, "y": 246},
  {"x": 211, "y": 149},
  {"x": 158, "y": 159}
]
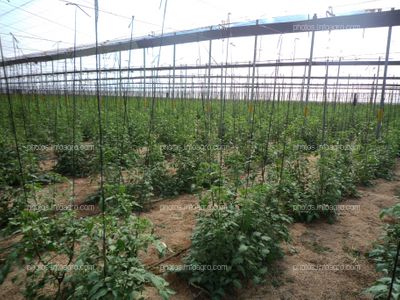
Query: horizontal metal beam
[
  {"x": 229, "y": 66},
  {"x": 236, "y": 84},
  {"x": 201, "y": 78},
  {"x": 365, "y": 20}
]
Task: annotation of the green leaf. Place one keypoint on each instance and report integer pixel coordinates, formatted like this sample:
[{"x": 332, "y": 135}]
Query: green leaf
[
  {"x": 237, "y": 284},
  {"x": 100, "y": 293},
  {"x": 95, "y": 288},
  {"x": 243, "y": 248}
]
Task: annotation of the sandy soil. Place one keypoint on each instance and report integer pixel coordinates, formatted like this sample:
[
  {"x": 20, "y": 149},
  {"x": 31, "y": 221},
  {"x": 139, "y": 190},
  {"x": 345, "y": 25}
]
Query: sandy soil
[{"x": 174, "y": 221}]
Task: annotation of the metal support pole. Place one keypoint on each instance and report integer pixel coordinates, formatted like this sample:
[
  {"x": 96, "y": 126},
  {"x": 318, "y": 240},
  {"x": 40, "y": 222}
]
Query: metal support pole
[
  {"x": 309, "y": 69},
  {"x": 120, "y": 74},
  {"x": 337, "y": 84},
  {"x": 222, "y": 83},
  {"x": 65, "y": 77},
  {"x": 394, "y": 271},
  {"x": 144, "y": 73},
  {"x": 254, "y": 66},
  {"x": 209, "y": 69},
  {"x": 173, "y": 72},
  {"x": 380, "y": 112},
  {"x": 185, "y": 89},
  {"x": 80, "y": 77},
  {"x": 325, "y": 101}
]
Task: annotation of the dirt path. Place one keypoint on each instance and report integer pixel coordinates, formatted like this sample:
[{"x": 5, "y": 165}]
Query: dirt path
[{"x": 174, "y": 221}]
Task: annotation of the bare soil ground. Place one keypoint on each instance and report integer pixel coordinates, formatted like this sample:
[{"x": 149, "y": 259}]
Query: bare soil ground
[{"x": 174, "y": 221}]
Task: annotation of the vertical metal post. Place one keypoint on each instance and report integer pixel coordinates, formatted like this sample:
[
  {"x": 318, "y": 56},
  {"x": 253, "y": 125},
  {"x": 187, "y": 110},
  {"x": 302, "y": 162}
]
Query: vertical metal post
[
  {"x": 291, "y": 73},
  {"x": 390, "y": 108},
  {"x": 303, "y": 80},
  {"x": 246, "y": 87},
  {"x": 173, "y": 72},
  {"x": 65, "y": 77},
  {"x": 337, "y": 85},
  {"x": 185, "y": 89},
  {"x": 254, "y": 65},
  {"x": 380, "y": 112},
  {"x": 209, "y": 69},
  {"x": 120, "y": 73},
  {"x": 377, "y": 83},
  {"x": 80, "y": 76},
  {"x": 40, "y": 78},
  {"x": 393, "y": 279},
  {"x": 275, "y": 79},
  {"x": 192, "y": 93},
  {"x": 180, "y": 93},
  {"x": 144, "y": 73},
  {"x": 310, "y": 60},
  {"x": 169, "y": 84},
  {"x": 222, "y": 83},
  {"x": 30, "y": 78},
  {"x": 325, "y": 101},
  {"x": 52, "y": 72}
]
